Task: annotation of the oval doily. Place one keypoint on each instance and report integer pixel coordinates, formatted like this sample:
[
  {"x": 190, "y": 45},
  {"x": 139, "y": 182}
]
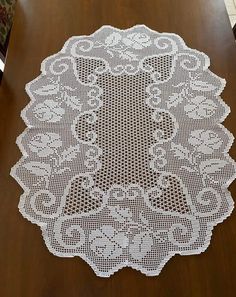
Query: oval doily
[{"x": 125, "y": 161}]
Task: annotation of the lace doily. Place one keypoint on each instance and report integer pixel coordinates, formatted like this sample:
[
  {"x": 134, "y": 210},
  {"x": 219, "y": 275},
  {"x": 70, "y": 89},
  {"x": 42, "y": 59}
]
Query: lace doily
[{"x": 125, "y": 161}]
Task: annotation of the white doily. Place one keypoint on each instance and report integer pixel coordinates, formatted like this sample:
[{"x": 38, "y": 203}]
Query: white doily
[{"x": 125, "y": 161}]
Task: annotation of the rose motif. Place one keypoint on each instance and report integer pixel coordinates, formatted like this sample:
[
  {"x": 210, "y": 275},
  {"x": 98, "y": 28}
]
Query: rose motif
[
  {"x": 45, "y": 144},
  {"x": 113, "y": 39},
  {"x": 48, "y": 111},
  {"x": 137, "y": 40},
  {"x": 205, "y": 141},
  {"x": 141, "y": 245},
  {"x": 107, "y": 242},
  {"x": 200, "y": 107},
  {"x": 137, "y": 225}
]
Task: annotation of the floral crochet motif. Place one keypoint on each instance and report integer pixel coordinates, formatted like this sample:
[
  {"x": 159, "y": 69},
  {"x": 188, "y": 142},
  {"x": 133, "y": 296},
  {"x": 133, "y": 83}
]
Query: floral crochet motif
[{"x": 125, "y": 160}]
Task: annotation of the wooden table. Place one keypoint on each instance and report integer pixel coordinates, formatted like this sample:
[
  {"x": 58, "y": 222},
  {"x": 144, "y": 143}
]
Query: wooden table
[{"x": 41, "y": 27}]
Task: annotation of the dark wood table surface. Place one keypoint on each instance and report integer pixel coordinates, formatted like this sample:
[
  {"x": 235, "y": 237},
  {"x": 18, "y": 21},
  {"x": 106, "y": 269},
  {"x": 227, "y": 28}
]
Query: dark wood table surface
[{"x": 41, "y": 27}]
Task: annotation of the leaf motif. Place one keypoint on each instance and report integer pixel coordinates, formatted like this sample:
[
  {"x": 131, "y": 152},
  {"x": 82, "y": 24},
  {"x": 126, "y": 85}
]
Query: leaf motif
[
  {"x": 120, "y": 214},
  {"x": 70, "y": 153},
  {"x": 113, "y": 39},
  {"x": 189, "y": 169},
  {"x": 128, "y": 55},
  {"x": 47, "y": 90},
  {"x": 110, "y": 53},
  {"x": 180, "y": 151},
  {"x": 174, "y": 100},
  {"x": 38, "y": 168},
  {"x": 212, "y": 166},
  {"x": 198, "y": 85},
  {"x": 48, "y": 111},
  {"x": 73, "y": 101},
  {"x": 200, "y": 107}
]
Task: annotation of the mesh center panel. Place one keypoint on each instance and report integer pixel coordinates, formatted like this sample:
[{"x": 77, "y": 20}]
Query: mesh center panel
[
  {"x": 125, "y": 129},
  {"x": 125, "y": 132},
  {"x": 128, "y": 132}
]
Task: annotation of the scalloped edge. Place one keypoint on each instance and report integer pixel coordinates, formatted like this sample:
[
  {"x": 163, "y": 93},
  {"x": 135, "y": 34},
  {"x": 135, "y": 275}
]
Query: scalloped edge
[{"x": 43, "y": 226}]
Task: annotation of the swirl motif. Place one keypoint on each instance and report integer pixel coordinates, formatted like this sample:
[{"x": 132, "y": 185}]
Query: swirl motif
[
  {"x": 69, "y": 233},
  {"x": 185, "y": 233},
  {"x": 45, "y": 204},
  {"x": 83, "y": 46},
  {"x": 154, "y": 99},
  {"x": 60, "y": 65},
  {"x": 167, "y": 44},
  {"x": 188, "y": 61},
  {"x": 136, "y": 216},
  {"x": 208, "y": 202}
]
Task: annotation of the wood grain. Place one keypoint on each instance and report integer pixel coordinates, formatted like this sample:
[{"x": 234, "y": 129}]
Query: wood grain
[{"x": 41, "y": 27}]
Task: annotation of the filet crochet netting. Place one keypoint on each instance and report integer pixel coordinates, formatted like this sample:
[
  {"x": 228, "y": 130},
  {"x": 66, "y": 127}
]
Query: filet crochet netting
[{"x": 125, "y": 160}]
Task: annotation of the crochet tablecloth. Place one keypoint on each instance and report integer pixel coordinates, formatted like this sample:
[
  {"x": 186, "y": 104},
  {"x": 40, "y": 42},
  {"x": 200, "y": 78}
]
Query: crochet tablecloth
[{"x": 125, "y": 160}]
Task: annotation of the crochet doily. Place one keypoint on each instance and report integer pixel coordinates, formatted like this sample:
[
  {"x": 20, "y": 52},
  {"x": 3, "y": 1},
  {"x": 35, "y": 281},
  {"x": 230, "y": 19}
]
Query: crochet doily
[{"x": 125, "y": 161}]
